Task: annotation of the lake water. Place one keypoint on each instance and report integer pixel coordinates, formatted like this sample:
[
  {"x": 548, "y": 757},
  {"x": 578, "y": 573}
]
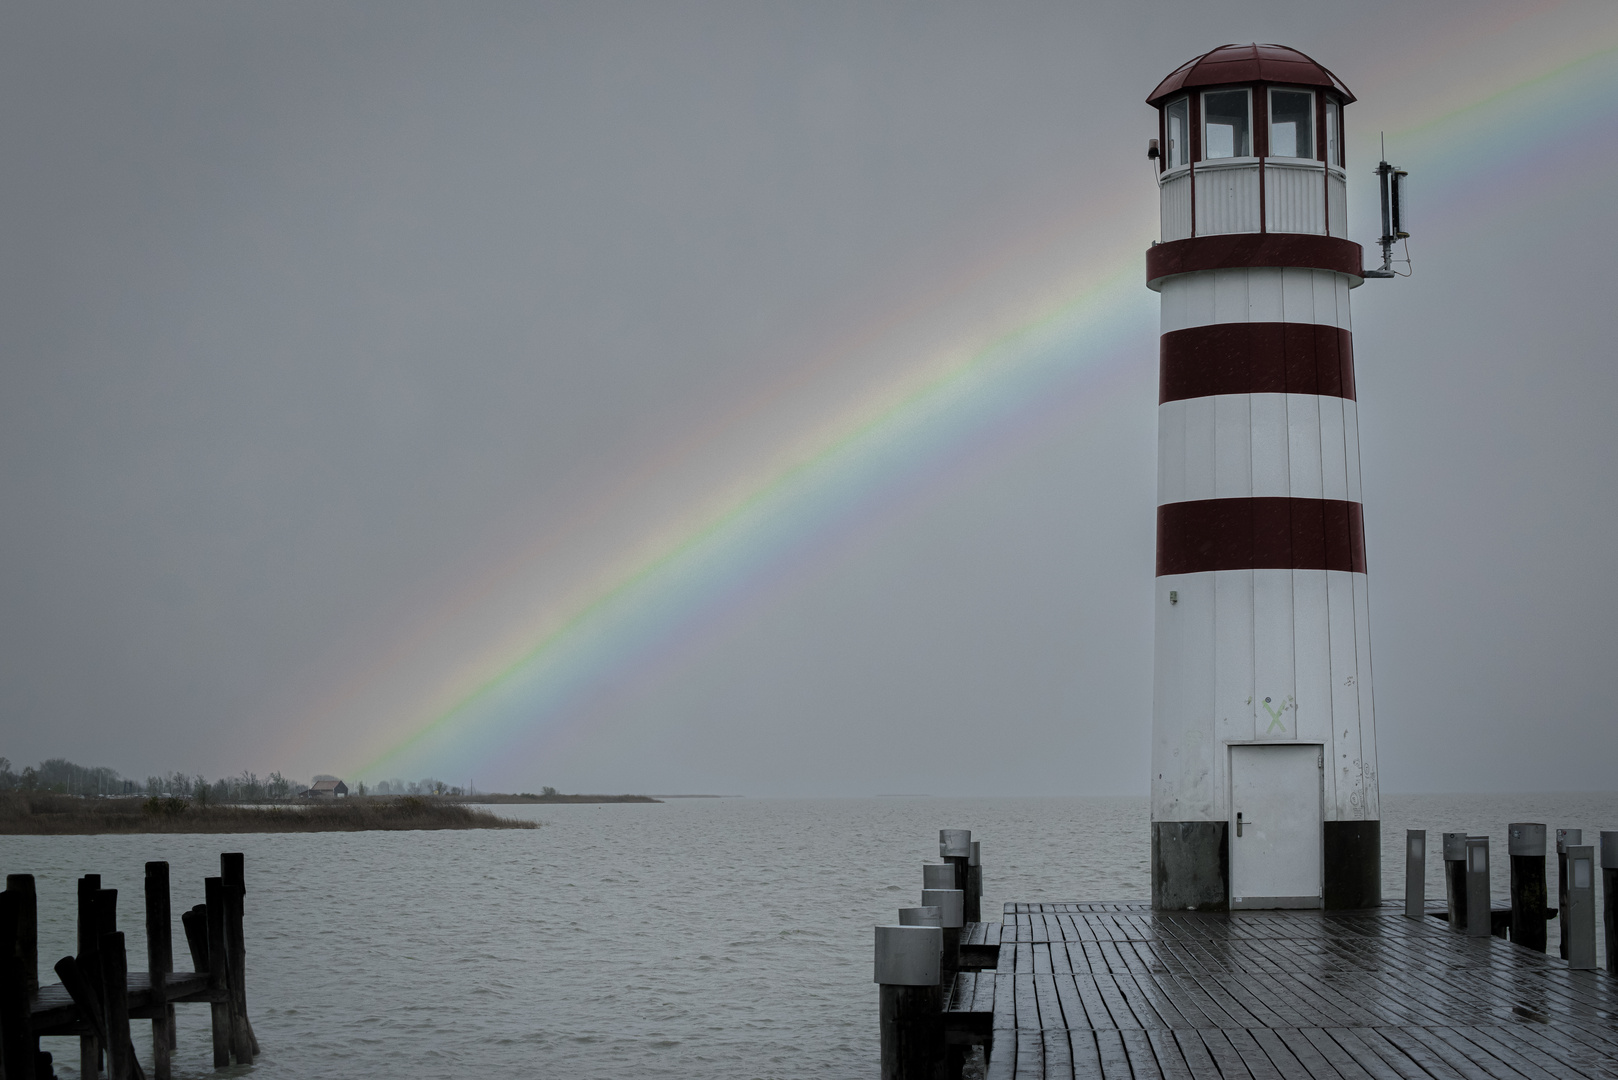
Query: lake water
[{"x": 697, "y": 937}]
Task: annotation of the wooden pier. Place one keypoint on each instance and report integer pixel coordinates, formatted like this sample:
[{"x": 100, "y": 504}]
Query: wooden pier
[
  {"x": 1117, "y": 991},
  {"x": 98, "y": 996}
]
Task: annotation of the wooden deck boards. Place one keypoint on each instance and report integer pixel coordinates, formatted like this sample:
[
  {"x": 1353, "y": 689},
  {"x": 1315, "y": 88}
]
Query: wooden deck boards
[{"x": 1104, "y": 990}]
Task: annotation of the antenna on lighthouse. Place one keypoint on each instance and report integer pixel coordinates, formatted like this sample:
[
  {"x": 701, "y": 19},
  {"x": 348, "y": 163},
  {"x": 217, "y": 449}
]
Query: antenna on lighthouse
[{"x": 1391, "y": 181}]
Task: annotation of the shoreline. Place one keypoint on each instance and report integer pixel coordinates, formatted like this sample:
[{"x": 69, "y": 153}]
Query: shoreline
[{"x": 64, "y": 815}]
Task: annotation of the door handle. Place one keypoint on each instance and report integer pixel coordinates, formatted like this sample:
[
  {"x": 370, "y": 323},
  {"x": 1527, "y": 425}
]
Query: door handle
[{"x": 1240, "y": 823}]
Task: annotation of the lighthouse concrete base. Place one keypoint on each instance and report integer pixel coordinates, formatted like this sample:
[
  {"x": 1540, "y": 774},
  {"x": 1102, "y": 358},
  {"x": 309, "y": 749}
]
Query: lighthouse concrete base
[
  {"x": 1353, "y": 865},
  {"x": 1190, "y": 866}
]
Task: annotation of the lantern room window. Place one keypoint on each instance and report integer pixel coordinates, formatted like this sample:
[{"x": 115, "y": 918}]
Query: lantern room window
[
  {"x": 1292, "y": 123},
  {"x": 1334, "y": 138},
  {"x": 1177, "y": 130},
  {"x": 1226, "y": 128}
]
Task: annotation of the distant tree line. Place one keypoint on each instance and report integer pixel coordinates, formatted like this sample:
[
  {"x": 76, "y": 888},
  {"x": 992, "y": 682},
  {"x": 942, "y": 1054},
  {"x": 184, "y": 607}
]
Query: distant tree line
[{"x": 69, "y": 778}]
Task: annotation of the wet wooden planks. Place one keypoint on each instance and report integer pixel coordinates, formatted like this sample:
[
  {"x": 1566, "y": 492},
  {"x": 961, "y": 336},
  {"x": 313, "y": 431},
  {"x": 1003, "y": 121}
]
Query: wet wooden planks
[{"x": 1114, "y": 990}]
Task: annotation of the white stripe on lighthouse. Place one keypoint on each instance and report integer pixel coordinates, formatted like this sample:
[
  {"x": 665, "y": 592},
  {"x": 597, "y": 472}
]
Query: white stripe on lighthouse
[
  {"x": 1234, "y": 446},
  {"x": 1255, "y": 294}
]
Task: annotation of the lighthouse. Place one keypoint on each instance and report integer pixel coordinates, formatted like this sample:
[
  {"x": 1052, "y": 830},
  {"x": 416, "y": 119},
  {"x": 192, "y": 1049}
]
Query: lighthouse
[{"x": 1264, "y": 776}]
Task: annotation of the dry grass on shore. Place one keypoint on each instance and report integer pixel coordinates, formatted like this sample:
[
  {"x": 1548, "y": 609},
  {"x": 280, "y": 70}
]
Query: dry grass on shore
[{"x": 65, "y": 815}]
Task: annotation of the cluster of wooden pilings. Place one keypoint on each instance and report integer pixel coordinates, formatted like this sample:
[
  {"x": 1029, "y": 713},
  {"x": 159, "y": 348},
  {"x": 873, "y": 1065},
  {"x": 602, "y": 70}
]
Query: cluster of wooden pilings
[
  {"x": 1467, "y": 892},
  {"x": 917, "y": 960},
  {"x": 98, "y": 996}
]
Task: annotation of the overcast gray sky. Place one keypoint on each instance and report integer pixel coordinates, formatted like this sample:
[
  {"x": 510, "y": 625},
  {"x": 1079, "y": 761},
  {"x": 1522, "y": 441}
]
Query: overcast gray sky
[{"x": 323, "y": 327}]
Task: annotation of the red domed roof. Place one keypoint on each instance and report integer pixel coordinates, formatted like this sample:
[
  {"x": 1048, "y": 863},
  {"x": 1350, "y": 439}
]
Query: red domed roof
[{"x": 1247, "y": 64}]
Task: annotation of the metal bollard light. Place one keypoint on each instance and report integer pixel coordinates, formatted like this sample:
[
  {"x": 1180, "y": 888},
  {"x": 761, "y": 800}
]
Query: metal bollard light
[
  {"x": 912, "y": 1001},
  {"x": 1525, "y": 844},
  {"x": 1581, "y": 906},
  {"x": 1564, "y": 837},
  {"x": 974, "y": 884},
  {"x": 1415, "y": 873},
  {"x": 1609, "y": 896},
  {"x": 1477, "y": 886},
  {"x": 923, "y": 916},
  {"x": 1455, "y": 879}
]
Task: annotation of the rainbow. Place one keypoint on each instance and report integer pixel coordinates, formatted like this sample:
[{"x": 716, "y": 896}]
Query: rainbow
[{"x": 519, "y": 691}]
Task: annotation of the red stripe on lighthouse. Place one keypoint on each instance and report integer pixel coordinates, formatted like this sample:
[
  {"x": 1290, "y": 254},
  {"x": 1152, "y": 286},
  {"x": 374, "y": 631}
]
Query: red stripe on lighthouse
[
  {"x": 1256, "y": 358},
  {"x": 1252, "y": 249},
  {"x": 1255, "y": 534}
]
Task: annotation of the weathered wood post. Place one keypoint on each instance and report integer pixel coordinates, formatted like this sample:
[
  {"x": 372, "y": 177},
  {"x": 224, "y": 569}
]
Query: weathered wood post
[
  {"x": 1415, "y": 873},
  {"x": 955, "y": 848},
  {"x": 1525, "y": 844},
  {"x": 1478, "y": 917},
  {"x": 121, "y": 1063},
  {"x": 951, "y": 905},
  {"x": 1564, "y": 837},
  {"x": 1609, "y": 896},
  {"x": 195, "y": 924},
  {"x": 912, "y": 1003},
  {"x": 159, "y": 963},
  {"x": 937, "y": 876},
  {"x": 1580, "y": 914},
  {"x": 231, "y": 868},
  {"x": 90, "y": 969},
  {"x": 1455, "y": 879},
  {"x": 22, "y": 887},
  {"x": 974, "y": 885},
  {"x": 921, "y": 916},
  {"x": 19, "y": 1047},
  {"x": 218, "y": 972}
]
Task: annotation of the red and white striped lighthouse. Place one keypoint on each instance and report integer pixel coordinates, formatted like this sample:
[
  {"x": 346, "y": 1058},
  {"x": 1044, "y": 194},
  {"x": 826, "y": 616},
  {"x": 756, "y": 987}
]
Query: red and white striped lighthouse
[{"x": 1264, "y": 786}]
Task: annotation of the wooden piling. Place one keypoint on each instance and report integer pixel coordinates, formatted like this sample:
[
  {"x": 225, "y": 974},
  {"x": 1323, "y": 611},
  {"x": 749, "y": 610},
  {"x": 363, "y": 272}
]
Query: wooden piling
[
  {"x": 195, "y": 925},
  {"x": 159, "y": 963},
  {"x": 19, "y": 1048},
  {"x": 1455, "y": 880},
  {"x": 218, "y": 972},
  {"x": 1564, "y": 837},
  {"x": 951, "y": 905},
  {"x": 232, "y": 869},
  {"x": 1609, "y": 897},
  {"x": 1526, "y": 846},
  {"x": 22, "y": 887},
  {"x": 90, "y": 969},
  {"x": 974, "y": 884},
  {"x": 911, "y": 1010},
  {"x": 121, "y": 1063}
]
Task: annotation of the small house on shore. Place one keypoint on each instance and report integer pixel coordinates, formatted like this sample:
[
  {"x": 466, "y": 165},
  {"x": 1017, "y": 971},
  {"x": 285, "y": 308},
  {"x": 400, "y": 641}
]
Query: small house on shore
[{"x": 326, "y": 789}]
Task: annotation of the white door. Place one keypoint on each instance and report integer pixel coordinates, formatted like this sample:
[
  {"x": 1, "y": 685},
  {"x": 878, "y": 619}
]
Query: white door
[{"x": 1275, "y": 826}]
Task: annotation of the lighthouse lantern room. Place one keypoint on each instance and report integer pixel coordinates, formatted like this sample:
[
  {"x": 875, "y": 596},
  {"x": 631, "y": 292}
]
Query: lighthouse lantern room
[{"x": 1264, "y": 781}]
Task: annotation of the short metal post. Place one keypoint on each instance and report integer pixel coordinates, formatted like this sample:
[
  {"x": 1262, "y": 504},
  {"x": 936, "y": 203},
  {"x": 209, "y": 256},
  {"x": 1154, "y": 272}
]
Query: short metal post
[
  {"x": 1455, "y": 879},
  {"x": 1609, "y": 896},
  {"x": 1477, "y": 886},
  {"x": 1564, "y": 837},
  {"x": 952, "y": 906},
  {"x": 1581, "y": 906},
  {"x": 937, "y": 876},
  {"x": 1415, "y": 873},
  {"x": 974, "y": 884},
  {"x": 1525, "y": 843},
  {"x": 912, "y": 1010}
]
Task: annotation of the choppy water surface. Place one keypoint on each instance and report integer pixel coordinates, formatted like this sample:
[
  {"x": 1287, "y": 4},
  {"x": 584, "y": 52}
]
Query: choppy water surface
[{"x": 697, "y": 937}]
